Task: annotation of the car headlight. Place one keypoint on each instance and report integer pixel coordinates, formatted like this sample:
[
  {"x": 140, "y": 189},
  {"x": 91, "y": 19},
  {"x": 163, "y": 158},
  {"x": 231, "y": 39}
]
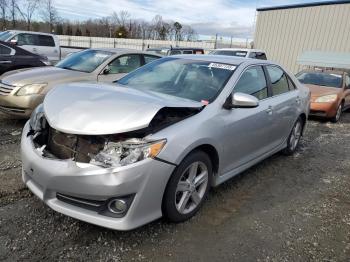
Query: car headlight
[
  {"x": 127, "y": 152},
  {"x": 326, "y": 99},
  {"x": 36, "y": 119},
  {"x": 31, "y": 89}
]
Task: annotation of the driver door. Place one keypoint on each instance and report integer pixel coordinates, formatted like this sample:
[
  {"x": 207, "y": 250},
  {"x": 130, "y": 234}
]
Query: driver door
[
  {"x": 119, "y": 67},
  {"x": 248, "y": 130}
]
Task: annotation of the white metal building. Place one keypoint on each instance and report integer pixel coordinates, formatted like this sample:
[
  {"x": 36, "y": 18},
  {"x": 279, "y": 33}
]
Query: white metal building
[{"x": 285, "y": 32}]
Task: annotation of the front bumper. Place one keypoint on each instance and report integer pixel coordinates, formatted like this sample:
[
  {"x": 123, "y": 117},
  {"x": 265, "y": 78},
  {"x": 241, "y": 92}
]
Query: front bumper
[
  {"x": 326, "y": 110},
  {"x": 19, "y": 106},
  {"x": 146, "y": 180}
]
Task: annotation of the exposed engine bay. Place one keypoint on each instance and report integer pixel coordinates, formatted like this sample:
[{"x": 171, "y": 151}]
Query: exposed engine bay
[{"x": 105, "y": 150}]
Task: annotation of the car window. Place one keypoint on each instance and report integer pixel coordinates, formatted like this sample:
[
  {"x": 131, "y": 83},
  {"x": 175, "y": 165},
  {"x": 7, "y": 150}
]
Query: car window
[
  {"x": 187, "y": 52},
  {"x": 253, "y": 82},
  {"x": 279, "y": 80},
  {"x": 347, "y": 80},
  {"x": 6, "y": 35},
  {"x": 124, "y": 64},
  {"x": 252, "y": 55},
  {"x": 321, "y": 79},
  {"x": 26, "y": 39},
  {"x": 84, "y": 61},
  {"x": 45, "y": 40},
  {"x": 4, "y": 50},
  {"x": 184, "y": 78},
  {"x": 175, "y": 52},
  {"x": 150, "y": 58},
  {"x": 261, "y": 56},
  {"x": 229, "y": 53}
]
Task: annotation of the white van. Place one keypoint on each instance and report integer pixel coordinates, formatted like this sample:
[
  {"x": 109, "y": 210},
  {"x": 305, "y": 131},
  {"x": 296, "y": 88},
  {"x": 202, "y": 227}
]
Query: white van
[
  {"x": 43, "y": 44},
  {"x": 241, "y": 52}
]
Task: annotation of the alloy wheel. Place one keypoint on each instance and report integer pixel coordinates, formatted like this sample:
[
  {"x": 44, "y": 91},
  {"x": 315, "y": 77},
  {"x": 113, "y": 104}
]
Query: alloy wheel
[
  {"x": 339, "y": 111},
  {"x": 191, "y": 187},
  {"x": 295, "y": 135}
]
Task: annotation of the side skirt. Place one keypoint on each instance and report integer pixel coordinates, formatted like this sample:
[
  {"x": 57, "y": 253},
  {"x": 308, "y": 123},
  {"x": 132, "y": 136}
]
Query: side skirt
[{"x": 224, "y": 177}]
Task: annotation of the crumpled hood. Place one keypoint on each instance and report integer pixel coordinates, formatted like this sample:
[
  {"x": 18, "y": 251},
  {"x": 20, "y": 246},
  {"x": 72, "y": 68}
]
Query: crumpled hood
[
  {"x": 41, "y": 75},
  {"x": 101, "y": 109}
]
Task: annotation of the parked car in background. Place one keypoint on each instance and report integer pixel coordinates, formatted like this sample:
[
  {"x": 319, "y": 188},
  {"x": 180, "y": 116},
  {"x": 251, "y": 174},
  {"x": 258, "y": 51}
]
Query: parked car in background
[
  {"x": 330, "y": 92},
  {"x": 43, "y": 44},
  {"x": 122, "y": 155},
  {"x": 240, "y": 52},
  {"x": 21, "y": 92},
  {"x": 167, "y": 51},
  {"x": 13, "y": 57}
]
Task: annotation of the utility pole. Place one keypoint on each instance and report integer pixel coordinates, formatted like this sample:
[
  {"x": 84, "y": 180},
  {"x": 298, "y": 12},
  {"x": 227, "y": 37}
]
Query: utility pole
[
  {"x": 216, "y": 40},
  {"x": 231, "y": 42}
]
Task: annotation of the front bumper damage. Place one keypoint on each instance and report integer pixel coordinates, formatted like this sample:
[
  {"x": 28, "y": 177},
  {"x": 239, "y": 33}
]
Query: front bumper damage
[{"x": 49, "y": 179}]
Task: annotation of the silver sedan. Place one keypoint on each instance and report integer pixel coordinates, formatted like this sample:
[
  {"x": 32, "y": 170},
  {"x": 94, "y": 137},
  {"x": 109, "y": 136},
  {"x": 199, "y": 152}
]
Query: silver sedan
[
  {"x": 22, "y": 90},
  {"x": 152, "y": 145}
]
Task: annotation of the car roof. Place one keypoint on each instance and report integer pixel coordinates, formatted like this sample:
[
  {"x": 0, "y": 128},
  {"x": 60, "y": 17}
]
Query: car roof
[
  {"x": 328, "y": 71},
  {"x": 30, "y": 32},
  {"x": 233, "y": 60},
  {"x": 240, "y": 49},
  {"x": 123, "y": 50},
  {"x": 174, "y": 48}
]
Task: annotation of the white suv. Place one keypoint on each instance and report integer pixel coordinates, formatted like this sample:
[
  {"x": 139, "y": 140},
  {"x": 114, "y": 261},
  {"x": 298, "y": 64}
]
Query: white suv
[
  {"x": 241, "y": 52},
  {"x": 38, "y": 43}
]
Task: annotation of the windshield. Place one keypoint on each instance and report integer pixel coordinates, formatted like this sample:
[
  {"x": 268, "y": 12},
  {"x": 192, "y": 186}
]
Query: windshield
[
  {"x": 84, "y": 61},
  {"x": 200, "y": 81},
  {"x": 320, "y": 79},
  {"x": 229, "y": 52},
  {"x": 4, "y": 36}
]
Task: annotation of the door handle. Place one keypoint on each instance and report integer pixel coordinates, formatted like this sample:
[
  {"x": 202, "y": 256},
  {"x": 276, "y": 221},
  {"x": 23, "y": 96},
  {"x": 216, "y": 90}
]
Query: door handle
[
  {"x": 5, "y": 62},
  {"x": 297, "y": 100},
  {"x": 269, "y": 110},
  {"x": 34, "y": 49}
]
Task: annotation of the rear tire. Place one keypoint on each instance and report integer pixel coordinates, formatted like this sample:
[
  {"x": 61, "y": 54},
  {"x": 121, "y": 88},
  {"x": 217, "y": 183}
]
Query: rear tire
[
  {"x": 294, "y": 137},
  {"x": 188, "y": 187},
  {"x": 337, "y": 116}
]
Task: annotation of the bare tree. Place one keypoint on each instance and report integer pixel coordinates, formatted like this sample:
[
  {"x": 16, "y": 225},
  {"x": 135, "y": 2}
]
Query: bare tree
[
  {"x": 29, "y": 8},
  {"x": 13, "y": 11},
  {"x": 3, "y": 10},
  {"x": 121, "y": 18},
  {"x": 49, "y": 13}
]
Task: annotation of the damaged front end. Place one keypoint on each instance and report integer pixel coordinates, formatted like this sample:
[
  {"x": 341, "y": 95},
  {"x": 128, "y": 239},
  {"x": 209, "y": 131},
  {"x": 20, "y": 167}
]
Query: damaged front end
[{"x": 113, "y": 150}]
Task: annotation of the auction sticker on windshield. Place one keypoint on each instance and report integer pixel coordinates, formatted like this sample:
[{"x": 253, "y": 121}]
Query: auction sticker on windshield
[{"x": 222, "y": 66}]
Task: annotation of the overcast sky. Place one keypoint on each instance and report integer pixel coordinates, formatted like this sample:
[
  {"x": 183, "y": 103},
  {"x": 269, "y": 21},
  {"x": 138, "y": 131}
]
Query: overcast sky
[{"x": 207, "y": 17}]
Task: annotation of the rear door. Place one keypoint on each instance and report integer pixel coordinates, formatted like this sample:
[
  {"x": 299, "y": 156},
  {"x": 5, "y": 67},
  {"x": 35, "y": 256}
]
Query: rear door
[
  {"x": 248, "y": 132},
  {"x": 285, "y": 103},
  {"x": 47, "y": 47},
  {"x": 119, "y": 67}
]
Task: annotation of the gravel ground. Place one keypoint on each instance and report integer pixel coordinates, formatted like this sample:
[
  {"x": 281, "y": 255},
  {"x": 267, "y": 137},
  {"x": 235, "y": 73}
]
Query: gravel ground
[{"x": 284, "y": 209}]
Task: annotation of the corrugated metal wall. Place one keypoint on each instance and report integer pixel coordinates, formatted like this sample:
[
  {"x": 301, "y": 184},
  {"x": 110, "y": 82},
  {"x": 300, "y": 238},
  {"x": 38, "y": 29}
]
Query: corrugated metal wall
[{"x": 284, "y": 34}]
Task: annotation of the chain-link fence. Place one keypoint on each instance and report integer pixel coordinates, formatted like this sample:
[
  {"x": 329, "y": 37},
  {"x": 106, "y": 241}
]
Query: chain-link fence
[{"x": 139, "y": 44}]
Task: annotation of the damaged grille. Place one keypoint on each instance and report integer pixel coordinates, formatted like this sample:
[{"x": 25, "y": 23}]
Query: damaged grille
[{"x": 79, "y": 148}]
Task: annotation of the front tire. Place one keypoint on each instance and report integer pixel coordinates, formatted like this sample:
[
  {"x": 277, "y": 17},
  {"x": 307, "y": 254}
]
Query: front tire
[
  {"x": 294, "y": 137},
  {"x": 188, "y": 187},
  {"x": 337, "y": 116}
]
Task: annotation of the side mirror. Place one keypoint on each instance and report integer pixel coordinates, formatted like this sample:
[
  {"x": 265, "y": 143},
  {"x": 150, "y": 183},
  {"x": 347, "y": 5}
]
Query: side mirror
[
  {"x": 241, "y": 100},
  {"x": 106, "y": 71},
  {"x": 14, "y": 41}
]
